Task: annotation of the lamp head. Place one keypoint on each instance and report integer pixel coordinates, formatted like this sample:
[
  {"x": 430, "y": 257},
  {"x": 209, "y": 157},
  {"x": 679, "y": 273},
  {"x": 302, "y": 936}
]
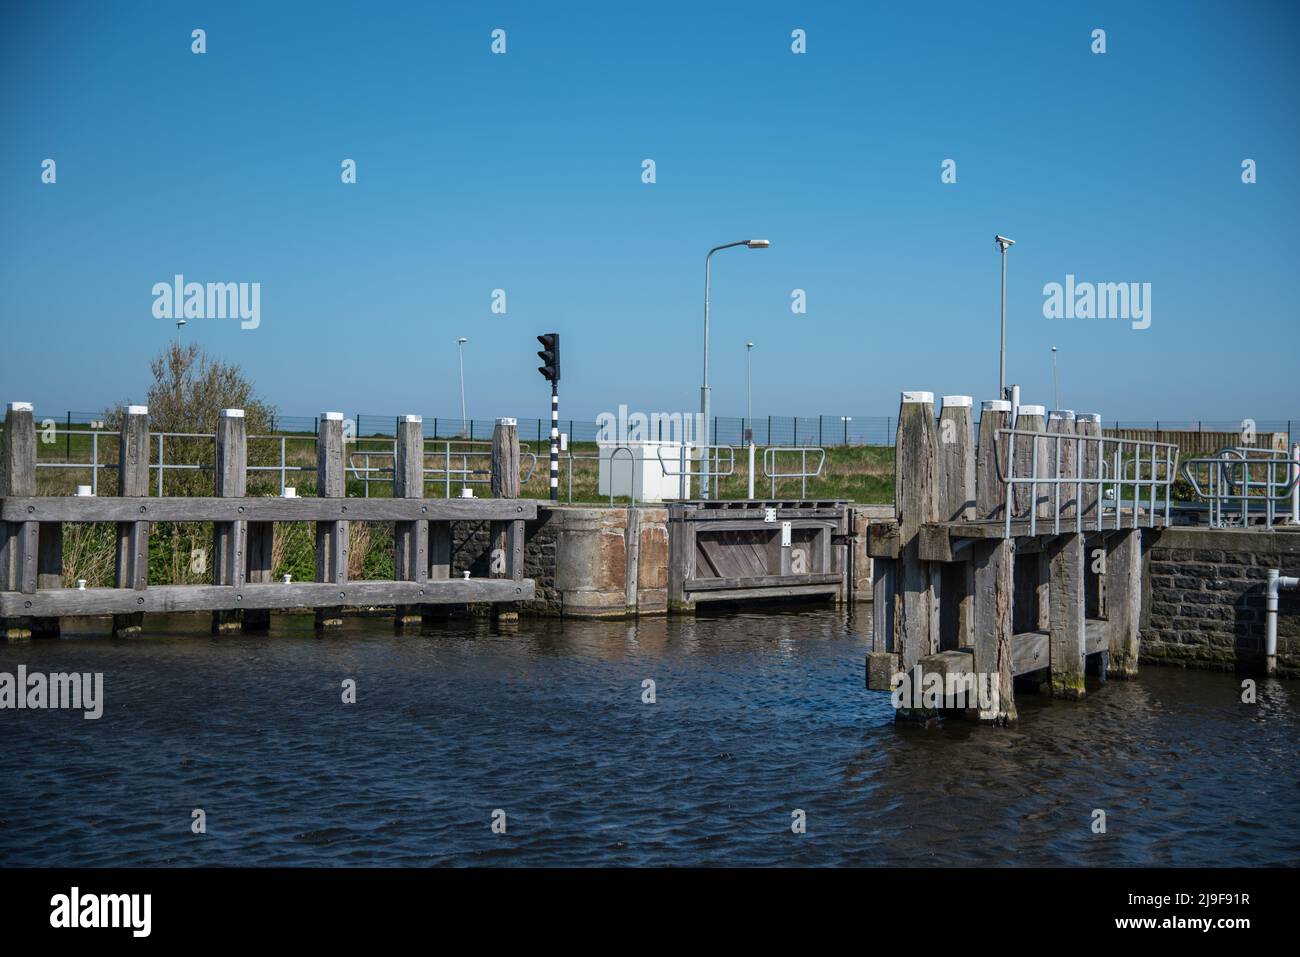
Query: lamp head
[{"x": 758, "y": 243}]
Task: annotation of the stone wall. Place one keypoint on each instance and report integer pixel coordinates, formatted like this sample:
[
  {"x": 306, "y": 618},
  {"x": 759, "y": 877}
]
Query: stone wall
[{"x": 1203, "y": 601}]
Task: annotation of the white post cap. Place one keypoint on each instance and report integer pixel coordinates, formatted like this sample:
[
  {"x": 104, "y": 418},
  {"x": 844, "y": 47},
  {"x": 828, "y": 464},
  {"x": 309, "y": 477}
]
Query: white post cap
[
  {"x": 919, "y": 397},
  {"x": 1067, "y": 414},
  {"x": 506, "y": 421},
  {"x": 232, "y": 413},
  {"x": 137, "y": 410},
  {"x": 1033, "y": 410},
  {"x": 332, "y": 416},
  {"x": 412, "y": 418},
  {"x": 995, "y": 405},
  {"x": 1088, "y": 417},
  {"x": 957, "y": 401},
  {"x": 20, "y": 407}
]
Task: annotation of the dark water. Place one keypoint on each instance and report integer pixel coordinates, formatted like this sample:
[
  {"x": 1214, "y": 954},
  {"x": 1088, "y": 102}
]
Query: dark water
[{"x": 756, "y": 716}]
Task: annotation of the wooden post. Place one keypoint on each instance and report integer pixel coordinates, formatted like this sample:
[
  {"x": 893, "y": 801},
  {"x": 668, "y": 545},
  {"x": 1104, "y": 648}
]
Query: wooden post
[
  {"x": 507, "y": 538},
  {"x": 681, "y": 559},
  {"x": 132, "y": 561},
  {"x": 1123, "y": 601},
  {"x": 990, "y": 494},
  {"x": 916, "y": 498},
  {"x": 410, "y": 539},
  {"x": 1089, "y": 424},
  {"x": 230, "y": 539},
  {"x": 992, "y": 562},
  {"x": 18, "y": 478},
  {"x": 956, "y": 460},
  {"x": 331, "y": 537},
  {"x": 1030, "y": 419},
  {"x": 1061, "y": 422},
  {"x": 1066, "y": 625},
  {"x": 957, "y": 503}
]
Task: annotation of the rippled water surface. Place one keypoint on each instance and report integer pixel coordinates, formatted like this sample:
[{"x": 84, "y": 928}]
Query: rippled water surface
[{"x": 755, "y": 716}]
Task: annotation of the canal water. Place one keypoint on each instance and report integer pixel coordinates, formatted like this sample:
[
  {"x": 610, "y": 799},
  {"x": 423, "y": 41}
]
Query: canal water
[{"x": 754, "y": 717}]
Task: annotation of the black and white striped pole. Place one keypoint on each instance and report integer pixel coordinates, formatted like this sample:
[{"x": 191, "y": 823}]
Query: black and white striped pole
[{"x": 550, "y": 370}]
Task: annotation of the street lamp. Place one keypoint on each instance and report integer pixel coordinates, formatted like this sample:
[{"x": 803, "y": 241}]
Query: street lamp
[
  {"x": 460, "y": 348},
  {"x": 1056, "y": 382},
  {"x": 1004, "y": 244},
  {"x": 704, "y": 389},
  {"x": 749, "y": 414},
  {"x": 179, "y": 323}
]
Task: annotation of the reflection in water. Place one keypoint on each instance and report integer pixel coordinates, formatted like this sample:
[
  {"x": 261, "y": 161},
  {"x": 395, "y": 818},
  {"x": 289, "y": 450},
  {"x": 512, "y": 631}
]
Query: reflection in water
[{"x": 756, "y": 715}]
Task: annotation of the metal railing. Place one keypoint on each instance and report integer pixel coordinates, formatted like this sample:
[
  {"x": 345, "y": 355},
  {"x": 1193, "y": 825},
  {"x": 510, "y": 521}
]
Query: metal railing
[
  {"x": 701, "y": 454},
  {"x": 770, "y": 471},
  {"x": 1245, "y": 476},
  {"x": 1117, "y": 464},
  {"x": 365, "y": 473}
]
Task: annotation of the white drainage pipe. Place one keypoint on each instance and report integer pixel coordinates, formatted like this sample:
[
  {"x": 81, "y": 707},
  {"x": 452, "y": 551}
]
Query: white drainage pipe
[{"x": 1276, "y": 580}]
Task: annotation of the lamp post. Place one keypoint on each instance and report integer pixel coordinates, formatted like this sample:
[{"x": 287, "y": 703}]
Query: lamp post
[
  {"x": 460, "y": 348},
  {"x": 179, "y": 323},
  {"x": 1004, "y": 244},
  {"x": 846, "y": 419},
  {"x": 704, "y": 388}
]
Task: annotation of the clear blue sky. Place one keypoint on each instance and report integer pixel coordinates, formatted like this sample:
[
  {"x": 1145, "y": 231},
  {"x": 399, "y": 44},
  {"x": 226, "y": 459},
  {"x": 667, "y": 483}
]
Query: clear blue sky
[{"x": 523, "y": 172}]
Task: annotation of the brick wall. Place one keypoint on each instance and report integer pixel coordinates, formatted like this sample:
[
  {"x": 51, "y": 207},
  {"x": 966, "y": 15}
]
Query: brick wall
[{"x": 1204, "y": 598}]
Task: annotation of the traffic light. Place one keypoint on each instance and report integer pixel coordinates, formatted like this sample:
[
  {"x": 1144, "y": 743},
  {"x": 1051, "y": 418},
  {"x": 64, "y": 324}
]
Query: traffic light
[{"x": 550, "y": 355}]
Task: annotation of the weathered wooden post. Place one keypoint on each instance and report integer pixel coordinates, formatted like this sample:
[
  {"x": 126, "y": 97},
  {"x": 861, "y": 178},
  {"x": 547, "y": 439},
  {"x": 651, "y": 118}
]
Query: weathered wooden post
[
  {"x": 1028, "y": 456},
  {"x": 331, "y": 537},
  {"x": 1123, "y": 601},
  {"x": 1066, "y": 616},
  {"x": 991, "y": 494},
  {"x": 19, "y": 541},
  {"x": 132, "y": 561},
  {"x": 507, "y": 545},
  {"x": 956, "y": 460},
  {"x": 410, "y": 539},
  {"x": 229, "y": 539},
  {"x": 916, "y": 498},
  {"x": 993, "y": 563},
  {"x": 957, "y": 503},
  {"x": 1062, "y": 422}
]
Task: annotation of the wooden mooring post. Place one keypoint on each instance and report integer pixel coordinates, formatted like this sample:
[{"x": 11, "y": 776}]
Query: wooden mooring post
[
  {"x": 19, "y": 541},
  {"x": 230, "y": 539},
  {"x": 506, "y": 554},
  {"x": 410, "y": 539},
  {"x": 131, "y": 565},
  {"x": 332, "y": 536}
]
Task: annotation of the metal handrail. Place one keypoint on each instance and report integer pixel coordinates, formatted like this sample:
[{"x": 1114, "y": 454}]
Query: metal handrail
[
  {"x": 363, "y": 473},
  {"x": 1161, "y": 464},
  {"x": 1228, "y": 479},
  {"x": 769, "y": 463},
  {"x": 686, "y": 453}
]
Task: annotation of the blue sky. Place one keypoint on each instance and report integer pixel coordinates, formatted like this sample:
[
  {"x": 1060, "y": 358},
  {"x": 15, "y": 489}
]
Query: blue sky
[{"x": 523, "y": 172}]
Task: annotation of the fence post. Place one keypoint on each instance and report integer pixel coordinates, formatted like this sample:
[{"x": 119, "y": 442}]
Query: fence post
[
  {"x": 131, "y": 566},
  {"x": 230, "y": 539},
  {"x": 332, "y": 536},
  {"x": 916, "y": 502},
  {"x": 18, "y": 540},
  {"x": 410, "y": 539}
]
